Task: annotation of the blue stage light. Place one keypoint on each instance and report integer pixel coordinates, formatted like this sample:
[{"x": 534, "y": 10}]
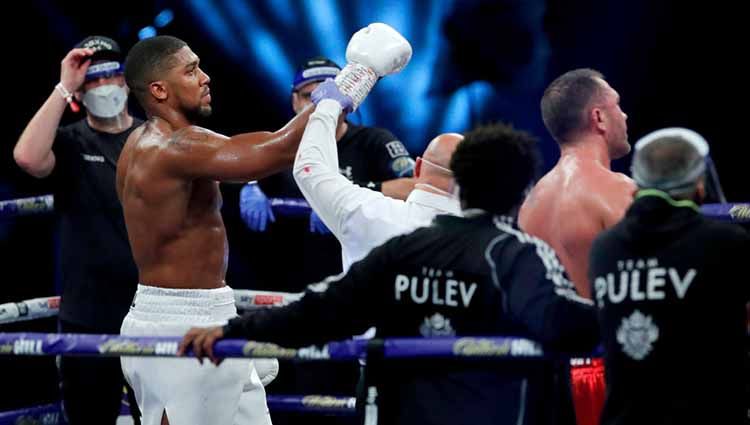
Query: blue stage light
[
  {"x": 329, "y": 30},
  {"x": 146, "y": 32},
  {"x": 209, "y": 15},
  {"x": 262, "y": 46},
  {"x": 284, "y": 11},
  {"x": 269, "y": 37},
  {"x": 164, "y": 18}
]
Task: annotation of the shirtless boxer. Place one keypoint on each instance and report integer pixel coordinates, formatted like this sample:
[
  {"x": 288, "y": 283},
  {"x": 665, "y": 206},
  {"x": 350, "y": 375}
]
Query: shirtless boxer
[
  {"x": 167, "y": 181},
  {"x": 581, "y": 196}
]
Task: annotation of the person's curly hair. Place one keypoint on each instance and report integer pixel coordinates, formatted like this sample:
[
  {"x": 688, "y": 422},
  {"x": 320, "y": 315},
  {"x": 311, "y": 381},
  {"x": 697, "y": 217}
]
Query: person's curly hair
[{"x": 493, "y": 166}]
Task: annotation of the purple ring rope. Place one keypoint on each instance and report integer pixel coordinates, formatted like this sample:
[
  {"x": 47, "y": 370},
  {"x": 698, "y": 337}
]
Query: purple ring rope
[
  {"x": 290, "y": 207},
  {"x": 51, "y": 414},
  {"x": 46, "y": 203},
  {"x": 48, "y": 414},
  {"x": 325, "y": 404},
  {"x": 40, "y": 344},
  {"x": 734, "y": 212}
]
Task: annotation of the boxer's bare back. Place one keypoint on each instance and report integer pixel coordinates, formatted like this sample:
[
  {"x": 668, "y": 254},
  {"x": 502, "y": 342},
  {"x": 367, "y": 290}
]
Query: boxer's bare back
[
  {"x": 168, "y": 179},
  {"x": 581, "y": 196},
  {"x": 572, "y": 204}
]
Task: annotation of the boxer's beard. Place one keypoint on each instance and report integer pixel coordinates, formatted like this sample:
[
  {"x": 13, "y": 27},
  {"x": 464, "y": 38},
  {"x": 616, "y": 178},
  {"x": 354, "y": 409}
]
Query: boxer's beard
[
  {"x": 205, "y": 111},
  {"x": 198, "y": 114}
]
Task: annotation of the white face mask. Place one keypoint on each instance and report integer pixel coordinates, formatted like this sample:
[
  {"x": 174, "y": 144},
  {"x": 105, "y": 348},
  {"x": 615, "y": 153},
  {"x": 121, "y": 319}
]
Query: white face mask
[
  {"x": 453, "y": 193},
  {"x": 105, "y": 101}
]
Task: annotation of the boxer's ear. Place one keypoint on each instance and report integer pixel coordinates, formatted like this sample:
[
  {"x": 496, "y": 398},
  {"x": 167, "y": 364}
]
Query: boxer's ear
[
  {"x": 598, "y": 119},
  {"x": 158, "y": 90}
]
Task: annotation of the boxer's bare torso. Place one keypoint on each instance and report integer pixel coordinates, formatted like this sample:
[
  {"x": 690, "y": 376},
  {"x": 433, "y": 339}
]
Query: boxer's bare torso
[
  {"x": 168, "y": 182},
  {"x": 174, "y": 225},
  {"x": 572, "y": 204},
  {"x": 168, "y": 179}
]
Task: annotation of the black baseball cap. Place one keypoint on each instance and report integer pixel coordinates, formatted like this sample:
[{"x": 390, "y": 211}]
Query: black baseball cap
[
  {"x": 104, "y": 48},
  {"x": 107, "y": 55},
  {"x": 314, "y": 70}
]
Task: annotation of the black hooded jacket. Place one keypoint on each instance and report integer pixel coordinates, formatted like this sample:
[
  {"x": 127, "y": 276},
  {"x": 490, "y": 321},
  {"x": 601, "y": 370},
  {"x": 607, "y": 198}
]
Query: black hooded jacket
[
  {"x": 671, "y": 286},
  {"x": 461, "y": 276}
]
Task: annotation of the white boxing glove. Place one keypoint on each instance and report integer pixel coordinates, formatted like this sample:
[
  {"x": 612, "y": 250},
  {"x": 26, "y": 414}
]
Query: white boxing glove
[
  {"x": 373, "y": 52},
  {"x": 267, "y": 369},
  {"x": 380, "y": 48}
]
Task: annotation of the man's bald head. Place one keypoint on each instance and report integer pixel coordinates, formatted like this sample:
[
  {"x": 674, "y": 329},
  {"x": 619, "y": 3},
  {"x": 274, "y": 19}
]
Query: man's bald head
[
  {"x": 439, "y": 152},
  {"x": 433, "y": 167}
]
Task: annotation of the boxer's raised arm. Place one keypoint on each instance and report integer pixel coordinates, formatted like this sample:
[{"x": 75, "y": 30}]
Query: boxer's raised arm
[{"x": 195, "y": 152}]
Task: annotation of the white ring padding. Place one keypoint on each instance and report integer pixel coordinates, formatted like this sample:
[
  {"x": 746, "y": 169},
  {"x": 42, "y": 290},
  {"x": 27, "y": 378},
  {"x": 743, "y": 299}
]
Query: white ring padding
[{"x": 38, "y": 308}]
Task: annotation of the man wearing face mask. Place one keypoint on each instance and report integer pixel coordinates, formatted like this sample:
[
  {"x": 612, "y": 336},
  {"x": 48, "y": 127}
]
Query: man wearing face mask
[{"x": 98, "y": 274}]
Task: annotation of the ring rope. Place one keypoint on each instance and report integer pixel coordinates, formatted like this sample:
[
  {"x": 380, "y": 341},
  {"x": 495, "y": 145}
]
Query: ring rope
[
  {"x": 26, "y": 206},
  {"x": 48, "y": 414},
  {"x": 35, "y": 308},
  {"x": 46, "y": 204},
  {"x": 480, "y": 347},
  {"x": 51, "y": 414},
  {"x": 38, "y": 308},
  {"x": 738, "y": 212}
]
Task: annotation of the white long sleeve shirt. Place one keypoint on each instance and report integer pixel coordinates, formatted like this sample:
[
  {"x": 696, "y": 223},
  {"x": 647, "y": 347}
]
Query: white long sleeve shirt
[{"x": 360, "y": 218}]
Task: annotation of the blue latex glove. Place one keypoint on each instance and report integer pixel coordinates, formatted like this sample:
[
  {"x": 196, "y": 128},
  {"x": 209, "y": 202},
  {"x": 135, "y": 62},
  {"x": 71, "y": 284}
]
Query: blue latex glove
[
  {"x": 329, "y": 90},
  {"x": 317, "y": 225},
  {"x": 255, "y": 208}
]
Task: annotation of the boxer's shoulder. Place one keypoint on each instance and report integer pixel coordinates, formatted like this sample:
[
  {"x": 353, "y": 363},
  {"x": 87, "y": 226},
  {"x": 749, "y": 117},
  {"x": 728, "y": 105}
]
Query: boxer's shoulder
[
  {"x": 135, "y": 136},
  {"x": 190, "y": 139},
  {"x": 622, "y": 192},
  {"x": 194, "y": 134},
  {"x": 153, "y": 132},
  {"x": 600, "y": 178}
]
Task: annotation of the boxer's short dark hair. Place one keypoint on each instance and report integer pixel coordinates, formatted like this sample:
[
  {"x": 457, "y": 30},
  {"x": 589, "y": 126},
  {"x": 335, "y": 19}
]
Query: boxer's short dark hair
[
  {"x": 148, "y": 61},
  {"x": 566, "y": 100}
]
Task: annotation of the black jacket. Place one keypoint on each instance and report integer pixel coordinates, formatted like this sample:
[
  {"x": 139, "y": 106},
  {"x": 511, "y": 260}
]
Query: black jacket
[
  {"x": 671, "y": 288},
  {"x": 457, "y": 277}
]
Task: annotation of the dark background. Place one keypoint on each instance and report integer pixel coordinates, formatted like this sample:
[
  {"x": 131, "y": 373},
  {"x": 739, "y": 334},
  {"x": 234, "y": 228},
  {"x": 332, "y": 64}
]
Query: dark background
[{"x": 675, "y": 63}]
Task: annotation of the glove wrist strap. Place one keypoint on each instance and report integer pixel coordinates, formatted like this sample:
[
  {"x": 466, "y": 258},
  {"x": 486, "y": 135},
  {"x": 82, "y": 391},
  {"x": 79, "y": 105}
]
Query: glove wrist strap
[{"x": 356, "y": 81}]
